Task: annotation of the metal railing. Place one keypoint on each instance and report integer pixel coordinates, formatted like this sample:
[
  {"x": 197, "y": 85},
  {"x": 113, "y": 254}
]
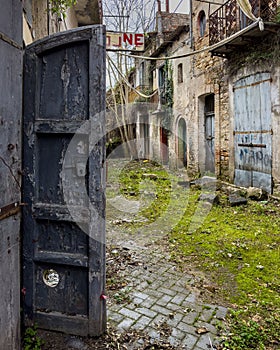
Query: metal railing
[{"x": 229, "y": 19}]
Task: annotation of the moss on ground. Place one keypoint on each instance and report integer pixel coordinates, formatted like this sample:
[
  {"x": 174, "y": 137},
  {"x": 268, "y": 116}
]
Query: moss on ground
[{"x": 238, "y": 248}]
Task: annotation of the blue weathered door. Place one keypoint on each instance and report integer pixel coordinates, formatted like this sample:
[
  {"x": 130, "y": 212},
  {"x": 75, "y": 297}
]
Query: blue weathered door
[
  {"x": 64, "y": 256},
  {"x": 209, "y": 134},
  {"x": 253, "y": 132}
]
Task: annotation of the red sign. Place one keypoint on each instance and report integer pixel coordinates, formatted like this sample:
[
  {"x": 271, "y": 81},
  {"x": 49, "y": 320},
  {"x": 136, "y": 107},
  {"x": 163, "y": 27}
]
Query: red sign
[{"x": 125, "y": 41}]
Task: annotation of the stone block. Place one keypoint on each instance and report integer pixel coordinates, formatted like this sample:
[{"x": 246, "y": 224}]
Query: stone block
[{"x": 236, "y": 200}]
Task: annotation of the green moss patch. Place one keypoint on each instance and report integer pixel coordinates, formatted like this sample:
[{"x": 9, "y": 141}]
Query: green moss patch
[{"x": 238, "y": 248}]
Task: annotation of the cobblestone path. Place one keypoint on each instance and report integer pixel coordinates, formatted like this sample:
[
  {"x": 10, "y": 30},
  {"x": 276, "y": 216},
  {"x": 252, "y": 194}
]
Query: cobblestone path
[{"x": 162, "y": 300}]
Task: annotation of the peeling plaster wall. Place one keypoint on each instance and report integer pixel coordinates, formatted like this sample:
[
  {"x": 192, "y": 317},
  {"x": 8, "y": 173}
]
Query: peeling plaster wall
[
  {"x": 43, "y": 23},
  {"x": 183, "y": 107},
  {"x": 202, "y": 75},
  {"x": 10, "y": 166},
  {"x": 216, "y": 75},
  {"x": 39, "y": 23}
]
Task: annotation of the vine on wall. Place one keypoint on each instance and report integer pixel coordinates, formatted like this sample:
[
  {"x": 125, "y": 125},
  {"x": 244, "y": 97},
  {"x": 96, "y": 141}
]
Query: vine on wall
[
  {"x": 168, "y": 91},
  {"x": 265, "y": 55},
  {"x": 59, "y": 7}
]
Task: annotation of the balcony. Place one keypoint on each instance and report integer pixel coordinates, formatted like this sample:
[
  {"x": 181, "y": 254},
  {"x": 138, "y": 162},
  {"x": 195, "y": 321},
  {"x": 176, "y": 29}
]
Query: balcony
[{"x": 228, "y": 20}]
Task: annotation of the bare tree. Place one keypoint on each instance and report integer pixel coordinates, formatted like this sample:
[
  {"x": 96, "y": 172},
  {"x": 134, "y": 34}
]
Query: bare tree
[{"x": 124, "y": 16}]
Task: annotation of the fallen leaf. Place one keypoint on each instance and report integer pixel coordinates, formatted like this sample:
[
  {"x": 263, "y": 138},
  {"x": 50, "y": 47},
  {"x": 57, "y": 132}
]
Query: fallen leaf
[
  {"x": 256, "y": 318},
  {"x": 201, "y": 330},
  {"x": 211, "y": 289}
]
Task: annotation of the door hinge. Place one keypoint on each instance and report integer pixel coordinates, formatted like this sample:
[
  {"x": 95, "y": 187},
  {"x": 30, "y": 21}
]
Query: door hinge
[{"x": 10, "y": 209}]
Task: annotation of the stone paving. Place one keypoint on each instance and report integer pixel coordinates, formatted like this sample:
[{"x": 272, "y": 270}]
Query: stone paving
[{"x": 160, "y": 295}]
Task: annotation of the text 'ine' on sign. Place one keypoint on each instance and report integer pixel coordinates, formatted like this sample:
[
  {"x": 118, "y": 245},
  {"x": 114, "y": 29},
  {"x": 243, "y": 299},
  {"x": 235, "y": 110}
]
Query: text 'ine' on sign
[{"x": 125, "y": 41}]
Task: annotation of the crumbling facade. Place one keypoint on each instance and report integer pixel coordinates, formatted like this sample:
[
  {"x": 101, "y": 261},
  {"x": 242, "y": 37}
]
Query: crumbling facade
[
  {"x": 249, "y": 93},
  {"x": 225, "y": 103}
]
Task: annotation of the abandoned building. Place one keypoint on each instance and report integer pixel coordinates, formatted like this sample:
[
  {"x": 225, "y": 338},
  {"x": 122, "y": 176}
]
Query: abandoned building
[{"x": 225, "y": 91}]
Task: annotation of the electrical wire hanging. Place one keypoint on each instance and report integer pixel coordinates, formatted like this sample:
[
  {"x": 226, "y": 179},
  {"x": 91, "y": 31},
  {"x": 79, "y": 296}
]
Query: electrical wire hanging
[
  {"x": 127, "y": 82},
  {"x": 259, "y": 21}
]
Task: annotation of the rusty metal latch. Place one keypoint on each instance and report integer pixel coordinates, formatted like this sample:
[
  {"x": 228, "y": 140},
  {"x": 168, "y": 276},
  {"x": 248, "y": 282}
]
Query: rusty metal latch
[
  {"x": 252, "y": 145},
  {"x": 10, "y": 209}
]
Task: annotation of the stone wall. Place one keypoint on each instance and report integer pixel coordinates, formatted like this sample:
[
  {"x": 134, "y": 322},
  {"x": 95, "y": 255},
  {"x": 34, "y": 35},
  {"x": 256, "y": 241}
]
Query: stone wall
[
  {"x": 171, "y": 21},
  {"x": 217, "y": 75},
  {"x": 209, "y": 76},
  {"x": 202, "y": 75}
]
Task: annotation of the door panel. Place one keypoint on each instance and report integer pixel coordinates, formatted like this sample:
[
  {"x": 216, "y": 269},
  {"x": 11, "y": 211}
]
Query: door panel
[
  {"x": 64, "y": 268},
  {"x": 253, "y": 132},
  {"x": 68, "y": 98}
]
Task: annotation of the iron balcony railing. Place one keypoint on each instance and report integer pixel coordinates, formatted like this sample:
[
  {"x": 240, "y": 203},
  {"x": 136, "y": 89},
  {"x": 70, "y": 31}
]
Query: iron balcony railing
[{"x": 229, "y": 19}]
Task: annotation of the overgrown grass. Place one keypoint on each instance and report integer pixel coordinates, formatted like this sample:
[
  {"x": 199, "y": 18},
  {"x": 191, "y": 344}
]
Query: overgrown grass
[
  {"x": 149, "y": 183},
  {"x": 238, "y": 248},
  {"x": 31, "y": 340}
]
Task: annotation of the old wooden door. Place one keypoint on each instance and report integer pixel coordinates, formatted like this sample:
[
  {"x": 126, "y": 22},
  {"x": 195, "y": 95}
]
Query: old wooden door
[
  {"x": 253, "y": 132},
  {"x": 64, "y": 256},
  {"x": 182, "y": 143},
  {"x": 144, "y": 134},
  {"x": 164, "y": 145},
  {"x": 209, "y": 134}
]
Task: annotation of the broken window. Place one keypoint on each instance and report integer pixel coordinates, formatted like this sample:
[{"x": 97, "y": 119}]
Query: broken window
[
  {"x": 201, "y": 23},
  {"x": 180, "y": 72}
]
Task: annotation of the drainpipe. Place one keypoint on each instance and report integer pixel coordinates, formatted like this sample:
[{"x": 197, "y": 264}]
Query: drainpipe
[
  {"x": 159, "y": 5},
  {"x": 191, "y": 25},
  {"x": 159, "y": 20},
  {"x": 167, "y": 6}
]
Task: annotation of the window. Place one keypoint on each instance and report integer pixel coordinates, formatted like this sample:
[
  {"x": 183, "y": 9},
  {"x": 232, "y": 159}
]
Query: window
[
  {"x": 162, "y": 84},
  {"x": 27, "y": 8},
  {"x": 142, "y": 74},
  {"x": 161, "y": 78},
  {"x": 180, "y": 72},
  {"x": 201, "y": 23}
]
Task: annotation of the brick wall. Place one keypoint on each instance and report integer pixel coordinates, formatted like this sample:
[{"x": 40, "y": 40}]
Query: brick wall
[{"x": 171, "y": 21}]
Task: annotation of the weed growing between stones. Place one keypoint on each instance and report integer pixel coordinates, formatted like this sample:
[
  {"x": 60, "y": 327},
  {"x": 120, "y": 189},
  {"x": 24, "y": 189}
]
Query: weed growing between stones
[{"x": 31, "y": 340}]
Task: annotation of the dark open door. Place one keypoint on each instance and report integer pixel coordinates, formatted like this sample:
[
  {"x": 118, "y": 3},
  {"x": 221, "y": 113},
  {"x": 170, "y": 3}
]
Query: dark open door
[
  {"x": 64, "y": 256},
  {"x": 182, "y": 143},
  {"x": 209, "y": 134},
  {"x": 164, "y": 145}
]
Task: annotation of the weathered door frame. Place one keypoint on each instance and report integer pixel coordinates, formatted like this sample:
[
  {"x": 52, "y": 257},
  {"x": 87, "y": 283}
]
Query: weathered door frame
[{"x": 209, "y": 120}]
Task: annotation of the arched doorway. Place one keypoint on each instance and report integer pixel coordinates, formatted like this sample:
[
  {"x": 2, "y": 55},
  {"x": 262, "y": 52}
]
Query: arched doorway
[{"x": 182, "y": 142}]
